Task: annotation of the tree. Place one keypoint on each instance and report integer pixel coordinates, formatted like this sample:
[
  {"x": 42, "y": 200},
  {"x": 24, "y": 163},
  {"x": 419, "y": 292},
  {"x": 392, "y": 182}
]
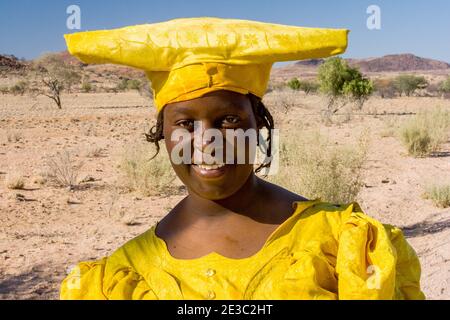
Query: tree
[
  {"x": 408, "y": 84},
  {"x": 56, "y": 75},
  {"x": 55, "y": 88},
  {"x": 343, "y": 84}
]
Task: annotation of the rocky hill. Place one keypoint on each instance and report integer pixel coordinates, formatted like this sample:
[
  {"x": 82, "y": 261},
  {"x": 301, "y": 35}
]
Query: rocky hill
[
  {"x": 389, "y": 63},
  {"x": 9, "y": 62}
]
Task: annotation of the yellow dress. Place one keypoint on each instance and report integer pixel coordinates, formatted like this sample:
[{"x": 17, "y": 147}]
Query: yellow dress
[{"x": 322, "y": 251}]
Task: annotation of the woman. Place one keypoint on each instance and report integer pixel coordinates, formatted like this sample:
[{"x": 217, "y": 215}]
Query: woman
[{"x": 235, "y": 236}]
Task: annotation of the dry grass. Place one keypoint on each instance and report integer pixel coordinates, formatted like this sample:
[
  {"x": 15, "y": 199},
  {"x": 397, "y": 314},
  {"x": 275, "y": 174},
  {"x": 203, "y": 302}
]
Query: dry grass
[
  {"x": 389, "y": 127},
  {"x": 94, "y": 152},
  {"x": 15, "y": 182},
  {"x": 425, "y": 132},
  {"x": 284, "y": 100},
  {"x": 13, "y": 136},
  {"x": 439, "y": 194},
  {"x": 148, "y": 177},
  {"x": 62, "y": 170},
  {"x": 310, "y": 165}
]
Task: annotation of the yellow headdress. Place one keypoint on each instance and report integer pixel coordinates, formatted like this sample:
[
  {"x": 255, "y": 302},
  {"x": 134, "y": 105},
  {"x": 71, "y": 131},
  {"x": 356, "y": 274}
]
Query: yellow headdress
[{"x": 187, "y": 58}]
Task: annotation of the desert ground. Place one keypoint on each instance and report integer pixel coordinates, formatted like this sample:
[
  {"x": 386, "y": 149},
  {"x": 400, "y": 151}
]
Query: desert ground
[{"x": 45, "y": 230}]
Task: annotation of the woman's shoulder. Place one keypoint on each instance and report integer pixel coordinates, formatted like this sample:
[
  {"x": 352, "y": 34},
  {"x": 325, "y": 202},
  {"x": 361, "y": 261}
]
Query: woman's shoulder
[
  {"x": 340, "y": 225},
  {"x": 122, "y": 275}
]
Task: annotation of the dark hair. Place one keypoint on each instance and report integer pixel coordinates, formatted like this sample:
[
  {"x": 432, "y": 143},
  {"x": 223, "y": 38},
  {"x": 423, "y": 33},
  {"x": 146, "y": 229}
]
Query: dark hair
[{"x": 263, "y": 118}]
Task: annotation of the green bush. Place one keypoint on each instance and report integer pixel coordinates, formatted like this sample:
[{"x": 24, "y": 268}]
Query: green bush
[
  {"x": 338, "y": 80},
  {"x": 129, "y": 84},
  {"x": 407, "y": 84},
  {"x": 123, "y": 85},
  {"x": 305, "y": 86},
  {"x": 294, "y": 84},
  {"x": 445, "y": 86},
  {"x": 134, "y": 84}
]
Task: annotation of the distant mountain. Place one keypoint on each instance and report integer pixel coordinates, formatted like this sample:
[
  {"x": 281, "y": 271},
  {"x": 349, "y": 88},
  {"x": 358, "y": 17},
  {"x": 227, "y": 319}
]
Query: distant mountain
[{"x": 389, "y": 63}]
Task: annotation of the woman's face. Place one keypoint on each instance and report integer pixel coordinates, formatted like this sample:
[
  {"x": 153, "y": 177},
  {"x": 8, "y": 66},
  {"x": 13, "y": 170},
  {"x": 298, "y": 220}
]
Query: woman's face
[{"x": 222, "y": 111}]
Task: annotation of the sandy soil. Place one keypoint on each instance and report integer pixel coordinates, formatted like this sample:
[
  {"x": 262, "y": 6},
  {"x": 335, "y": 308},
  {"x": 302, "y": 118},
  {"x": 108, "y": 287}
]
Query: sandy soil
[{"x": 45, "y": 230}]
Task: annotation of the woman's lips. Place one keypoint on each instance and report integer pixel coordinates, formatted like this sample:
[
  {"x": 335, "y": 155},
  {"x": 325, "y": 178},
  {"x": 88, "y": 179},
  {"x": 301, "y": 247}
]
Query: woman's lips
[{"x": 209, "y": 171}]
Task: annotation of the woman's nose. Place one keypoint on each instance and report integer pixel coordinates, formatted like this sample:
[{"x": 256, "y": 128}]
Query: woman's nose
[
  {"x": 206, "y": 140},
  {"x": 202, "y": 135}
]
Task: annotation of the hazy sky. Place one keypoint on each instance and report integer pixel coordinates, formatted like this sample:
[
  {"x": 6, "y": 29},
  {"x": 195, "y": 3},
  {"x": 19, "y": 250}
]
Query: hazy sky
[{"x": 30, "y": 27}]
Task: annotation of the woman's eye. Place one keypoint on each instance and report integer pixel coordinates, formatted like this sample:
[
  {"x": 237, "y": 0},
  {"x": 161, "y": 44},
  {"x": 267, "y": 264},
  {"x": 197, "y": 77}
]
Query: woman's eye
[
  {"x": 231, "y": 120},
  {"x": 188, "y": 124}
]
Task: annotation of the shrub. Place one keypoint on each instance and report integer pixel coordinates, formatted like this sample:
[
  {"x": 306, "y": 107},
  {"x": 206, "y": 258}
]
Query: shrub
[
  {"x": 439, "y": 194},
  {"x": 86, "y": 87},
  {"x": 129, "y": 84},
  {"x": 385, "y": 88},
  {"x": 294, "y": 84},
  {"x": 305, "y": 86},
  {"x": 310, "y": 166},
  {"x": 14, "y": 135},
  {"x": 4, "y": 90},
  {"x": 149, "y": 177},
  {"x": 425, "y": 132},
  {"x": 62, "y": 170},
  {"x": 407, "y": 84},
  {"x": 133, "y": 84},
  {"x": 342, "y": 83},
  {"x": 444, "y": 87},
  {"x": 309, "y": 86},
  {"x": 19, "y": 88},
  {"x": 56, "y": 75},
  {"x": 94, "y": 152},
  {"x": 15, "y": 182}
]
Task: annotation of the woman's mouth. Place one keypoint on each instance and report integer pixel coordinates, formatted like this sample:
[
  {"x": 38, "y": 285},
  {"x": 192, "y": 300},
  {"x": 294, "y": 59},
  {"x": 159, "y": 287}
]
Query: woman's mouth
[{"x": 209, "y": 170}]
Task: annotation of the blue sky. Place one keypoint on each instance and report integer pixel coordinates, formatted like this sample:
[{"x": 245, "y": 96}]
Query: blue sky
[{"x": 29, "y": 28}]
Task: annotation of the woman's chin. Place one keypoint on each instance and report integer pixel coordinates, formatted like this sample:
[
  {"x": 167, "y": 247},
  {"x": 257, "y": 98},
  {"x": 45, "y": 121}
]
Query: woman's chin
[{"x": 214, "y": 183}]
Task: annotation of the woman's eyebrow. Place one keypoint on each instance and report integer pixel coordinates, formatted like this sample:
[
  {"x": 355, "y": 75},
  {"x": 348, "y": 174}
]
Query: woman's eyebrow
[
  {"x": 219, "y": 108},
  {"x": 182, "y": 110}
]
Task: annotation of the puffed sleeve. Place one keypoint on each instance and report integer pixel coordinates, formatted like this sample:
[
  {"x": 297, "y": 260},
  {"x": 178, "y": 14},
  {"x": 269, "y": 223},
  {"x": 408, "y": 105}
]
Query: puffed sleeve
[
  {"x": 93, "y": 281},
  {"x": 374, "y": 261},
  {"x": 84, "y": 282}
]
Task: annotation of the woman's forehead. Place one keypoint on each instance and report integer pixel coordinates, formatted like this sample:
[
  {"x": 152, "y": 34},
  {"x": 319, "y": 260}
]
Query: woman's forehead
[{"x": 218, "y": 101}]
